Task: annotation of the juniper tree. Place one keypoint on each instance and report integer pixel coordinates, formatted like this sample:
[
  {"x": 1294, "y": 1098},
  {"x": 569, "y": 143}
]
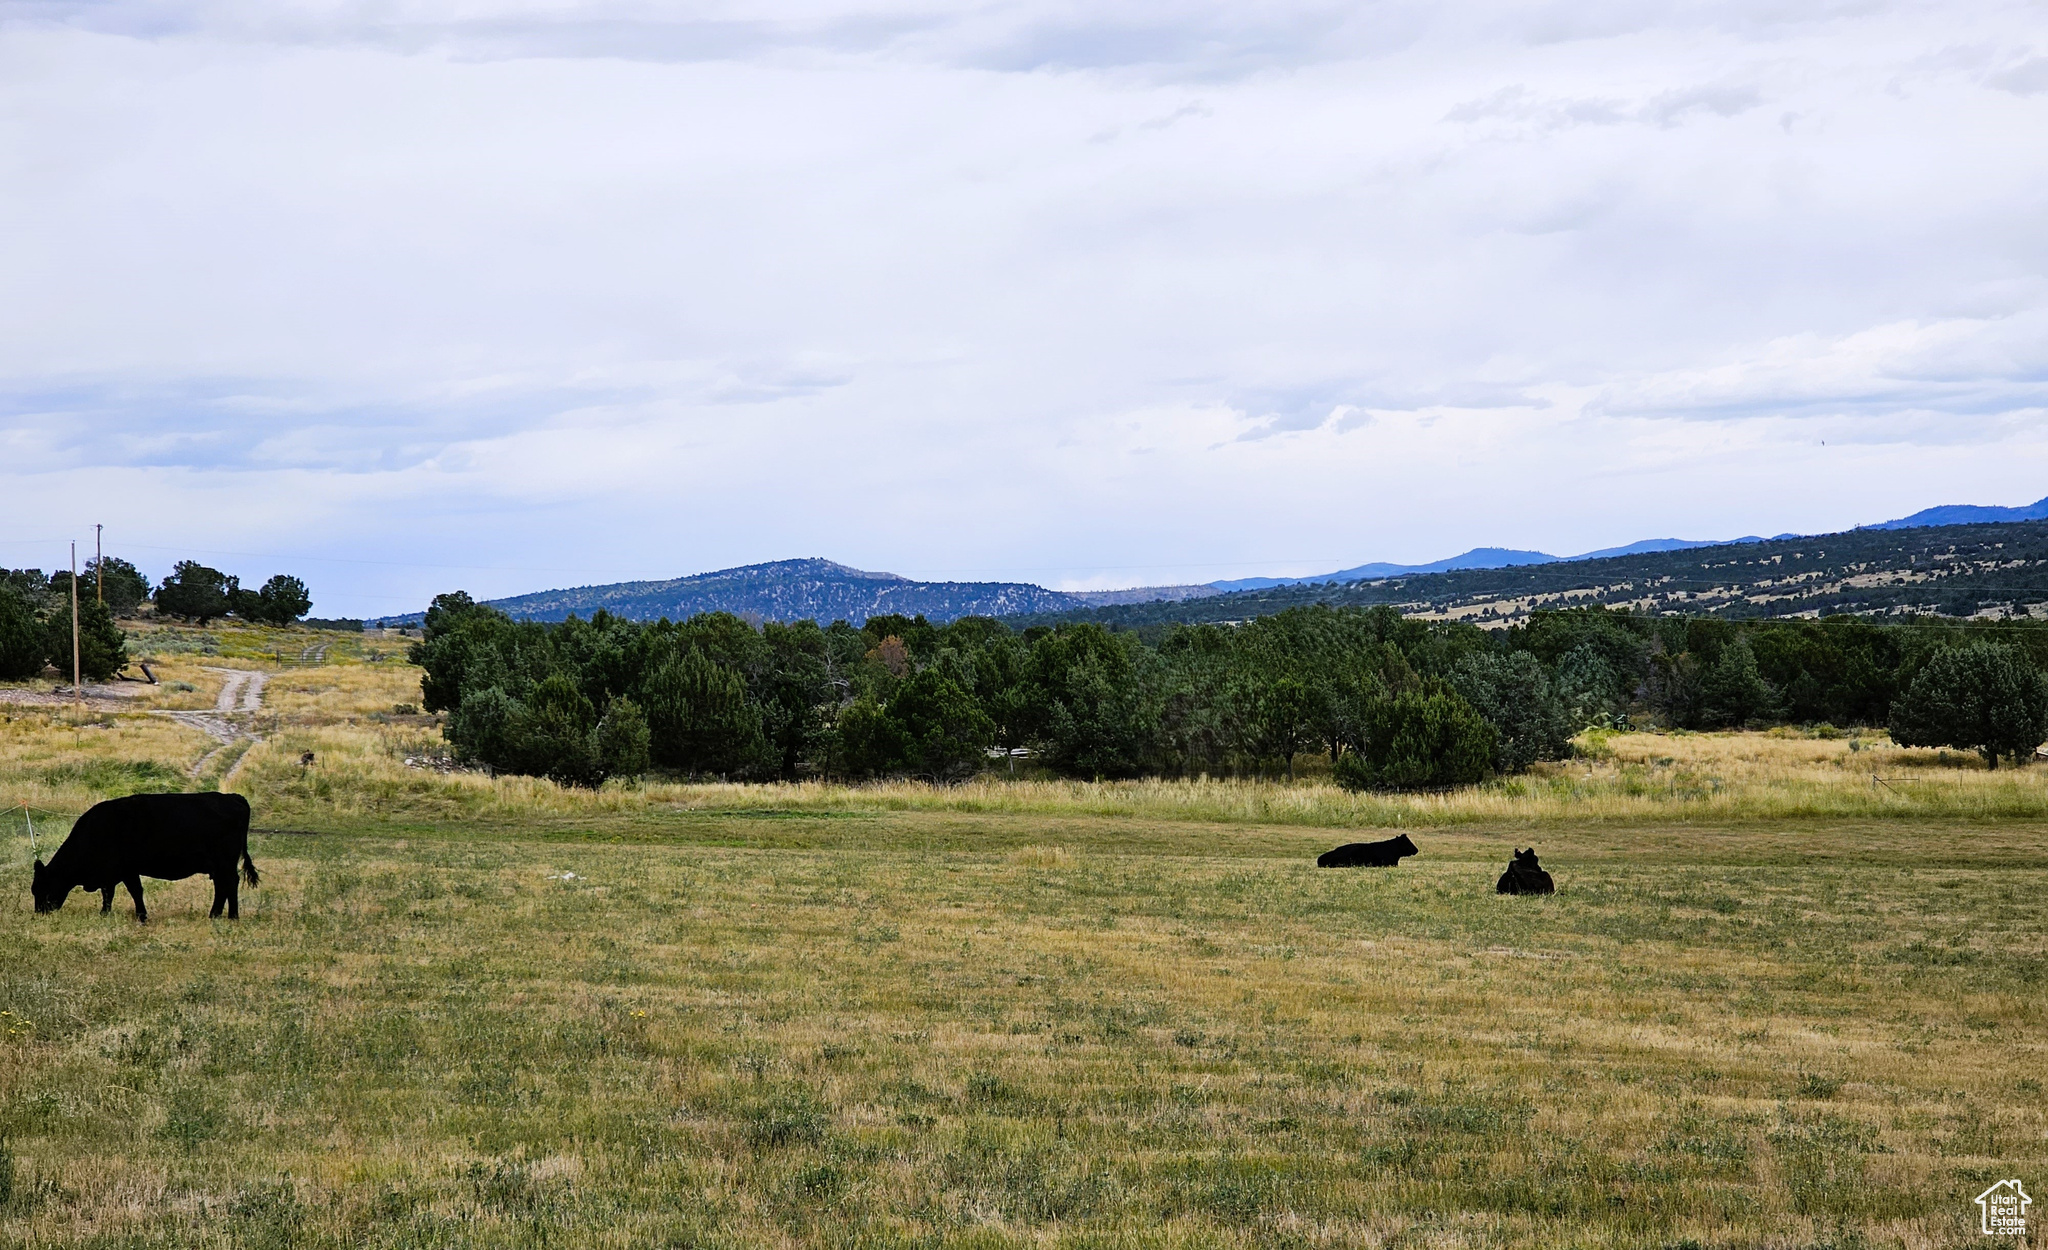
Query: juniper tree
[{"x": 1985, "y": 697}]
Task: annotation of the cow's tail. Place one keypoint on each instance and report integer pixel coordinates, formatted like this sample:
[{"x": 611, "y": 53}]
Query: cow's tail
[{"x": 249, "y": 868}]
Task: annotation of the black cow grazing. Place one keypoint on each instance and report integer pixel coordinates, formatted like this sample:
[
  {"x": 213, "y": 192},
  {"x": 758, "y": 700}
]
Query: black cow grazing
[
  {"x": 1387, "y": 854},
  {"x": 1525, "y": 876},
  {"x": 166, "y": 836}
]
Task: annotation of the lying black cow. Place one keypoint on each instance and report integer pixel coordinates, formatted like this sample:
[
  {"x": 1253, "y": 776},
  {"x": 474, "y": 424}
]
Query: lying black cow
[
  {"x": 1387, "y": 854},
  {"x": 166, "y": 836},
  {"x": 1525, "y": 876}
]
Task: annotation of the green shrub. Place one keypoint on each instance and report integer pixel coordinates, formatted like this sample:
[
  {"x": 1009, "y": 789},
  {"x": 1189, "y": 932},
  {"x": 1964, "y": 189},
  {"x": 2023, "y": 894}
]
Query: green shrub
[
  {"x": 1417, "y": 740},
  {"x": 555, "y": 733},
  {"x": 486, "y": 727}
]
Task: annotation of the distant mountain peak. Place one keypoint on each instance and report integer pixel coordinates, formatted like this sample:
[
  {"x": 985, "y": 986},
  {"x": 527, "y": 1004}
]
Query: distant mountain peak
[
  {"x": 1966, "y": 514},
  {"x": 787, "y": 590},
  {"x": 811, "y": 566}
]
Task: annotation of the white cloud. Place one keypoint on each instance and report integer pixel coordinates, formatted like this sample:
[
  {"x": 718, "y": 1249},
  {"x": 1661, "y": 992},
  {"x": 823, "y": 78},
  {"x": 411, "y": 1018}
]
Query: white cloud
[
  {"x": 1087, "y": 293},
  {"x": 2029, "y": 77}
]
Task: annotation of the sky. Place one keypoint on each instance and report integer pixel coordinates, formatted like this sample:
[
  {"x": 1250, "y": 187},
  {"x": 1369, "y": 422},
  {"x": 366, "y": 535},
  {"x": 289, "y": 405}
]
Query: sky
[{"x": 503, "y": 295}]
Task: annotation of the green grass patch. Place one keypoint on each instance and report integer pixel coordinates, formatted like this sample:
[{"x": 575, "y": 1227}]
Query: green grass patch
[
  {"x": 1115, "y": 1033},
  {"x": 115, "y": 777}
]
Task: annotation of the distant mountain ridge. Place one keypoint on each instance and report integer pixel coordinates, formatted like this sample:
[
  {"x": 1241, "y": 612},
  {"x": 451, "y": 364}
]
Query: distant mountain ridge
[
  {"x": 1993, "y": 569},
  {"x": 822, "y": 590},
  {"x": 1966, "y": 514},
  {"x": 1507, "y": 558},
  {"x": 1478, "y": 558}
]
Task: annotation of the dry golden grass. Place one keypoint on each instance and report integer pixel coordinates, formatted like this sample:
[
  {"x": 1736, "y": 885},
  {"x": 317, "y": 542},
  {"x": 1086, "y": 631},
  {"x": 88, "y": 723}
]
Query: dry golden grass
[
  {"x": 242, "y": 645},
  {"x": 1634, "y": 779},
  {"x": 1771, "y": 1005},
  {"x": 508, "y": 1041},
  {"x": 59, "y": 764},
  {"x": 331, "y": 695}
]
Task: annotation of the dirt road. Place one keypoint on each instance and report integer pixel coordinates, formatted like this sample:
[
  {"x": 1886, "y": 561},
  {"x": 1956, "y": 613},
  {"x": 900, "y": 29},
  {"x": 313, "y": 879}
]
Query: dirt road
[{"x": 241, "y": 695}]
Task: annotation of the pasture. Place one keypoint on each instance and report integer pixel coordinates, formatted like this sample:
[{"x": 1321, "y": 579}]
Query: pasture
[{"x": 1773, "y": 1003}]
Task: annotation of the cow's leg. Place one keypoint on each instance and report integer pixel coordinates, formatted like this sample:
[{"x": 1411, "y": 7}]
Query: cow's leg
[
  {"x": 134, "y": 885},
  {"x": 220, "y": 897},
  {"x": 106, "y": 900}
]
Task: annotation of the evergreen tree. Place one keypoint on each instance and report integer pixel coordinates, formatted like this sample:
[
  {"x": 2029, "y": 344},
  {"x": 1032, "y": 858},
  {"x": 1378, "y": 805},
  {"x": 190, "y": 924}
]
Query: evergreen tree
[
  {"x": 1734, "y": 691},
  {"x": 1673, "y": 687},
  {"x": 1806, "y": 698},
  {"x": 487, "y": 728},
  {"x": 1986, "y": 698},
  {"x": 1278, "y": 718},
  {"x": 1515, "y": 697},
  {"x": 555, "y": 738},
  {"x": 465, "y": 646},
  {"x": 700, "y": 718},
  {"x": 1088, "y": 706},
  {"x": 121, "y": 584},
  {"x": 282, "y": 600},
  {"x": 102, "y": 647},
  {"x": 622, "y": 739},
  {"x": 30, "y": 584},
  {"x": 938, "y": 729},
  {"x": 794, "y": 691},
  {"x": 1588, "y": 686},
  {"x": 1420, "y": 739},
  {"x": 244, "y": 605},
  {"x": 23, "y": 645},
  {"x": 195, "y": 592},
  {"x": 870, "y": 743}
]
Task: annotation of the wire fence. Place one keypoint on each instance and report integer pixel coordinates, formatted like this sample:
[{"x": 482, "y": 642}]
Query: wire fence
[{"x": 27, "y": 812}]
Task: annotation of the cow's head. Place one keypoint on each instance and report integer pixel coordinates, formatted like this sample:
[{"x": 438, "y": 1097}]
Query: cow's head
[
  {"x": 1405, "y": 846},
  {"x": 1525, "y": 859},
  {"x": 43, "y": 886}
]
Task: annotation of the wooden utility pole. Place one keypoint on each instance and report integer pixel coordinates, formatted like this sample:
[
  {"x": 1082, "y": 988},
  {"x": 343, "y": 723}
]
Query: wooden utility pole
[
  {"x": 99, "y": 566},
  {"x": 77, "y": 694}
]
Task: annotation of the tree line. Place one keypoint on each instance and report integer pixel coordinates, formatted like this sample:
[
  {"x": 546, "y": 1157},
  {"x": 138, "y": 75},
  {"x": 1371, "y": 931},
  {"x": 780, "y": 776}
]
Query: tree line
[
  {"x": 35, "y": 611},
  {"x": 1390, "y": 701}
]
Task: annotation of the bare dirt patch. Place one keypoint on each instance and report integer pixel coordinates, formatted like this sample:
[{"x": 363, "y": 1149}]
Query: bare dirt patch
[{"x": 107, "y": 697}]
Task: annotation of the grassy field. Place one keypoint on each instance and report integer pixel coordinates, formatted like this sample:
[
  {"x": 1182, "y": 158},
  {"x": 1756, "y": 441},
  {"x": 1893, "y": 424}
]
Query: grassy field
[{"x": 1772, "y": 1004}]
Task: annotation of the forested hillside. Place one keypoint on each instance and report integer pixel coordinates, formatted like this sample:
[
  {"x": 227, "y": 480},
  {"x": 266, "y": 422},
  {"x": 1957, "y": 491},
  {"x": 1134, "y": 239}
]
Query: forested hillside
[
  {"x": 1949, "y": 570},
  {"x": 787, "y": 590},
  {"x": 816, "y": 590}
]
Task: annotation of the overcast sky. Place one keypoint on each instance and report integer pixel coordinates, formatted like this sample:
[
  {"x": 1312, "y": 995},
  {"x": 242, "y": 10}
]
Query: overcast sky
[{"x": 406, "y": 297}]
